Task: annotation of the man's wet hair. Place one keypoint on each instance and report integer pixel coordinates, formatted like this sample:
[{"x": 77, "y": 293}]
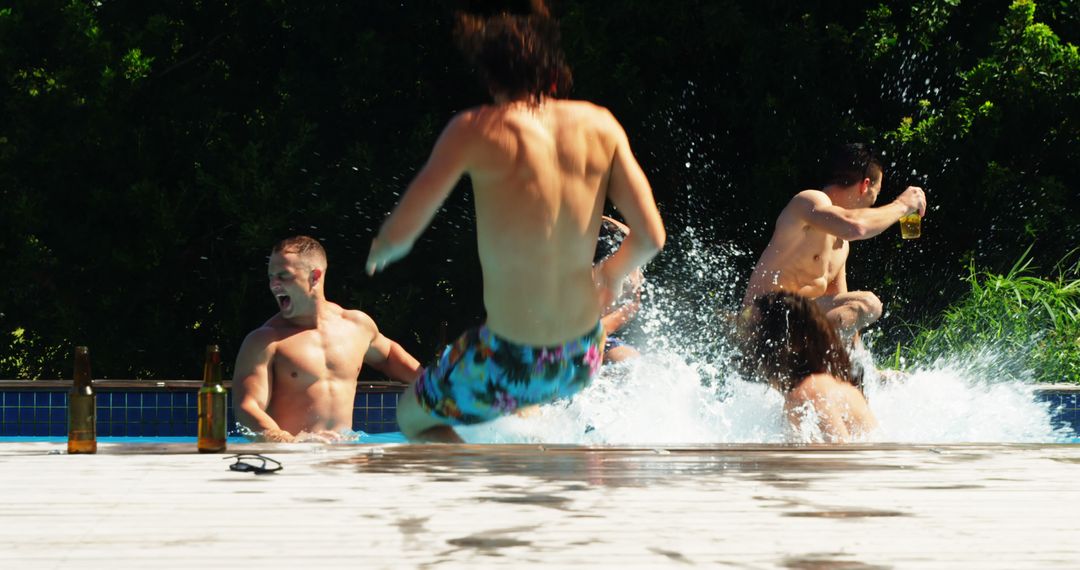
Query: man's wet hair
[
  {"x": 302, "y": 246},
  {"x": 515, "y": 46},
  {"x": 851, "y": 163},
  {"x": 787, "y": 337}
]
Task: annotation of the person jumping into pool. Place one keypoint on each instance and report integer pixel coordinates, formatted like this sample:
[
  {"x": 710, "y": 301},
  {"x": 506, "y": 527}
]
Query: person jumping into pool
[
  {"x": 789, "y": 343},
  {"x": 619, "y": 314},
  {"x": 809, "y": 247},
  {"x": 296, "y": 375},
  {"x": 541, "y": 168}
]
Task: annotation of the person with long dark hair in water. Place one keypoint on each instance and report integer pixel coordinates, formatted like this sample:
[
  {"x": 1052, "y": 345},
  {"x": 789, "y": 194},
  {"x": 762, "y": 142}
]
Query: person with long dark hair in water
[
  {"x": 541, "y": 169},
  {"x": 789, "y": 343}
]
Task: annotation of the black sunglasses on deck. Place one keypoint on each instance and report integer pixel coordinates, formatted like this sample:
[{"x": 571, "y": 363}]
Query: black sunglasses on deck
[{"x": 242, "y": 464}]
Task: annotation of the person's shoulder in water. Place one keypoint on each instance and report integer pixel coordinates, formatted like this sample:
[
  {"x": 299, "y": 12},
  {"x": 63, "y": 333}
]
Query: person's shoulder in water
[{"x": 842, "y": 411}]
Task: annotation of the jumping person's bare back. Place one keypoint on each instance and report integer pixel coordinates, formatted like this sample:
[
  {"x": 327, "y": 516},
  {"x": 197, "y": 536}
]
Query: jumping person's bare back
[
  {"x": 540, "y": 174},
  {"x": 540, "y": 177}
]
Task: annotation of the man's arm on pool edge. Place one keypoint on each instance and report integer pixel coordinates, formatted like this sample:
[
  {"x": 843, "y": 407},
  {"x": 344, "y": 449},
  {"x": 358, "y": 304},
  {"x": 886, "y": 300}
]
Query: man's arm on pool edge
[
  {"x": 390, "y": 358},
  {"x": 251, "y": 387}
]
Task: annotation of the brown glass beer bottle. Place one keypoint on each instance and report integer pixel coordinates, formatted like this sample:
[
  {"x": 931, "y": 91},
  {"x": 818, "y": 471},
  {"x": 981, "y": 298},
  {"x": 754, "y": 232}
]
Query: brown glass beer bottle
[
  {"x": 212, "y": 409},
  {"x": 82, "y": 407}
]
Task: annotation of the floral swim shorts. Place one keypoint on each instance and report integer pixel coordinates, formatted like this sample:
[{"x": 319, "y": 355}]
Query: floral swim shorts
[{"x": 481, "y": 376}]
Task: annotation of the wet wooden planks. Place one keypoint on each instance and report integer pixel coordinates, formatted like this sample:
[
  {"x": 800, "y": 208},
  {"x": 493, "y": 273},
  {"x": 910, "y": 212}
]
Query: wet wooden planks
[{"x": 454, "y": 506}]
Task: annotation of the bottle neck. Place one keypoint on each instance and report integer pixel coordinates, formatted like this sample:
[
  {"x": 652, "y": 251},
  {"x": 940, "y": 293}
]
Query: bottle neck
[
  {"x": 212, "y": 367},
  {"x": 82, "y": 378}
]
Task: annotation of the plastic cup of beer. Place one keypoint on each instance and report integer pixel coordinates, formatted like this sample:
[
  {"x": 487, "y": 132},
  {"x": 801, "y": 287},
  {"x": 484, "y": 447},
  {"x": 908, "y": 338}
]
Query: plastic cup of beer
[{"x": 911, "y": 226}]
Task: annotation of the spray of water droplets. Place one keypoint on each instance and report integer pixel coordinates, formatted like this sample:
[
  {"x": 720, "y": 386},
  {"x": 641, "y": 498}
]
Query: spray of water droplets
[{"x": 686, "y": 388}]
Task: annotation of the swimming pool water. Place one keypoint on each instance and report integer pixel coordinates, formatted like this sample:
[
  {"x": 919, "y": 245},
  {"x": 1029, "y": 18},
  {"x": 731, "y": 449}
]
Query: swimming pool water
[
  {"x": 366, "y": 438},
  {"x": 389, "y": 437}
]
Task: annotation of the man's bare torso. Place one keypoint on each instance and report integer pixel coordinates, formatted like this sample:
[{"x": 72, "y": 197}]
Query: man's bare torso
[
  {"x": 313, "y": 372},
  {"x": 799, "y": 258},
  {"x": 540, "y": 175}
]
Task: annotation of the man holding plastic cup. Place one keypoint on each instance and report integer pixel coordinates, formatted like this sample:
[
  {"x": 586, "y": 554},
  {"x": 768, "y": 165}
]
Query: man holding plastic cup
[{"x": 809, "y": 248}]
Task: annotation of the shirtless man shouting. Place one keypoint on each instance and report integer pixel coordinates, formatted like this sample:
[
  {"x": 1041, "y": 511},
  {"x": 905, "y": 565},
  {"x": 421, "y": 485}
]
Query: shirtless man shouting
[
  {"x": 809, "y": 248},
  {"x": 296, "y": 374}
]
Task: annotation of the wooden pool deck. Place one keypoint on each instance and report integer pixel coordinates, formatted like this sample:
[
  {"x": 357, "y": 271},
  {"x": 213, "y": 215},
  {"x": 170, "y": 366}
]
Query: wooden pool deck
[{"x": 413, "y": 506}]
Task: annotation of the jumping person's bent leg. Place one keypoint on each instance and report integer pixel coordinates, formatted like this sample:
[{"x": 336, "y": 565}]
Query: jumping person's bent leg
[
  {"x": 851, "y": 312},
  {"x": 418, "y": 424},
  {"x": 616, "y": 350},
  {"x": 620, "y": 353}
]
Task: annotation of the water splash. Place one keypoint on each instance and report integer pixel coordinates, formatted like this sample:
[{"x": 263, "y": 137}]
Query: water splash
[
  {"x": 660, "y": 399},
  {"x": 686, "y": 388}
]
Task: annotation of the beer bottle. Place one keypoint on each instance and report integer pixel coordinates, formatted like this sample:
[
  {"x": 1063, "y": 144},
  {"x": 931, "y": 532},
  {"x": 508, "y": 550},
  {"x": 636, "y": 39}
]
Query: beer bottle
[
  {"x": 212, "y": 409},
  {"x": 82, "y": 408}
]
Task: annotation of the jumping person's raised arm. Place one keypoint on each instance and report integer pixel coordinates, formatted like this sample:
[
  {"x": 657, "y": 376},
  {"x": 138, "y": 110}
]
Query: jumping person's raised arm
[
  {"x": 423, "y": 198},
  {"x": 251, "y": 386},
  {"x": 815, "y": 208},
  {"x": 630, "y": 192}
]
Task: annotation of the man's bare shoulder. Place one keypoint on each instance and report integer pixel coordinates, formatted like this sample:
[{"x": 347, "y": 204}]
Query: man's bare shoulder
[
  {"x": 471, "y": 116},
  {"x": 470, "y": 123},
  {"x": 803, "y": 202},
  {"x": 586, "y": 107},
  {"x": 824, "y": 387},
  {"x": 812, "y": 197},
  {"x": 359, "y": 318},
  {"x": 814, "y": 387},
  {"x": 589, "y": 113},
  {"x": 261, "y": 338}
]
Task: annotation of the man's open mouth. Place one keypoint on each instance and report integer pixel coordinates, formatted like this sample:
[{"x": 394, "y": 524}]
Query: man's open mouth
[{"x": 283, "y": 301}]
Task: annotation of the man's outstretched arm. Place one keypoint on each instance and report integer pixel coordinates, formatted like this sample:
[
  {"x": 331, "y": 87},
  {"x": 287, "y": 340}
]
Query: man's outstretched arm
[
  {"x": 815, "y": 208},
  {"x": 389, "y": 357}
]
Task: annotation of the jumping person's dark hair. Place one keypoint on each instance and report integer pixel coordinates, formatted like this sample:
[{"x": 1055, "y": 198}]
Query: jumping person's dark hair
[
  {"x": 851, "y": 163},
  {"x": 787, "y": 337},
  {"x": 515, "y": 47}
]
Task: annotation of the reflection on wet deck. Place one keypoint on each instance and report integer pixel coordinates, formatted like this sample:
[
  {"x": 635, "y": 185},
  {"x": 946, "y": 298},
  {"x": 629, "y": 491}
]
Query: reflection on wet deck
[{"x": 393, "y": 506}]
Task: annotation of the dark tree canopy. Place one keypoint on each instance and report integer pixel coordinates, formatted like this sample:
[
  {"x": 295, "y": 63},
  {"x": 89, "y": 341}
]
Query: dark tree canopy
[{"x": 151, "y": 153}]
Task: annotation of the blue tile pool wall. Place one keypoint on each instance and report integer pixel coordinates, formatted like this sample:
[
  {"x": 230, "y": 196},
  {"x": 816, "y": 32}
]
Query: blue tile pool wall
[
  {"x": 127, "y": 413},
  {"x": 174, "y": 413},
  {"x": 375, "y": 412},
  {"x": 1066, "y": 408},
  {"x": 152, "y": 413}
]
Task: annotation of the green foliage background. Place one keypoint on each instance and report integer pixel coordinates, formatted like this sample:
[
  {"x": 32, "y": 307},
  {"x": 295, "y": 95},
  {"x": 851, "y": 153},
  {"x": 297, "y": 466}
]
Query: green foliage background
[
  {"x": 151, "y": 152},
  {"x": 1011, "y": 325}
]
